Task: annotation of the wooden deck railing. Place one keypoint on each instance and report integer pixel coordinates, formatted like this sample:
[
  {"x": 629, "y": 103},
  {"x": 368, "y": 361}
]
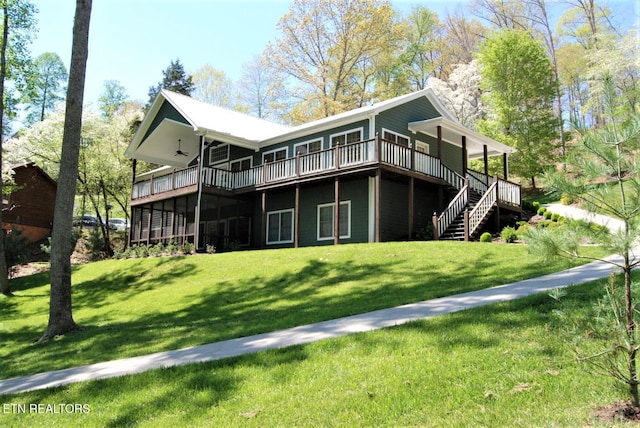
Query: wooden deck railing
[{"x": 361, "y": 153}]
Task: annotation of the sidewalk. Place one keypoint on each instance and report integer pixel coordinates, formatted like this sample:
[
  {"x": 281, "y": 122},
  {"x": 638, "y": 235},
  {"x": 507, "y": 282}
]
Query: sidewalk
[{"x": 312, "y": 332}]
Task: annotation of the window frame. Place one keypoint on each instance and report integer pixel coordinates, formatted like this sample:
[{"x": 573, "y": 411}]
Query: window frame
[
  {"x": 279, "y": 213},
  {"x": 424, "y": 145},
  {"x": 345, "y": 133},
  {"x": 286, "y": 154},
  {"x": 342, "y": 210},
  {"x": 240, "y": 160},
  {"x": 306, "y": 144},
  {"x": 219, "y": 161},
  {"x": 396, "y": 135}
]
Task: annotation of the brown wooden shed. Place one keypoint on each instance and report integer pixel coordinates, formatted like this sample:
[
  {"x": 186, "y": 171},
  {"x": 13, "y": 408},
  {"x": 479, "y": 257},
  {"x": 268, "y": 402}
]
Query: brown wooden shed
[{"x": 30, "y": 208}]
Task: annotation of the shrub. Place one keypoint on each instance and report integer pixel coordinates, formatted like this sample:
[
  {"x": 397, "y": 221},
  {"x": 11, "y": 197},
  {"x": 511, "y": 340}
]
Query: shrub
[
  {"x": 542, "y": 210},
  {"x": 156, "y": 250},
  {"x": 566, "y": 199},
  {"x": 555, "y": 217},
  {"x": 211, "y": 249},
  {"x": 425, "y": 233},
  {"x": 535, "y": 205},
  {"x": 522, "y": 229},
  {"x": 509, "y": 234},
  {"x": 187, "y": 248},
  {"x": 16, "y": 248},
  {"x": 486, "y": 237},
  {"x": 547, "y": 215}
]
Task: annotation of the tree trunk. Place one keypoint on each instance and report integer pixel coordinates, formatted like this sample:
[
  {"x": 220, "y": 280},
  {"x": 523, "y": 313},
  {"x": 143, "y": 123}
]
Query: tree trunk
[
  {"x": 60, "y": 313},
  {"x": 4, "y": 271}
]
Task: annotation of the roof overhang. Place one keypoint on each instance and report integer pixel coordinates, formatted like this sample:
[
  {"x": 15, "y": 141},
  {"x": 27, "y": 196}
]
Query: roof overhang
[
  {"x": 452, "y": 133},
  {"x": 161, "y": 145}
]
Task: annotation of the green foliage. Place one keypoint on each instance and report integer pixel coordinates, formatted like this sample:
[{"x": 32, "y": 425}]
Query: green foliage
[
  {"x": 188, "y": 247},
  {"x": 520, "y": 93},
  {"x": 486, "y": 237},
  {"x": 555, "y": 217},
  {"x": 174, "y": 79},
  {"x": 547, "y": 215},
  {"x": 425, "y": 233},
  {"x": 535, "y": 205},
  {"x": 509, "y": 234},
  {"x": 567, "y": 200},
  {"x": 542, "y": 210},
  {"x": 16, "y": 247},
  {"x": 47, "y": 86}
]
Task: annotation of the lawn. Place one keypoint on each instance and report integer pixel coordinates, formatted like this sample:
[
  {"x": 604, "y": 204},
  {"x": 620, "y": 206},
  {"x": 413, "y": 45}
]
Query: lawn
[
  {"x": 139, "y": 306},
  {"x": 501, "y": 365}
]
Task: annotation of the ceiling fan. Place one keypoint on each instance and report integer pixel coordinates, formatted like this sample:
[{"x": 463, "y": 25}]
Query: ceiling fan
[{"x": 179, "y": 151}]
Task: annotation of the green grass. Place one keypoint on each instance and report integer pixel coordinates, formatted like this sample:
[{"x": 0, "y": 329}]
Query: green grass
[
  {"x": 501, "y": 365},
  {"x": 134, "y": 307}
]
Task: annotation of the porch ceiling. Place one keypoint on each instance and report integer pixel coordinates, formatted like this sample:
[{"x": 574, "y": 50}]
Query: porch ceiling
[
  {"x": 161, "y": 145},
  {"x": 452, "y": 133}
]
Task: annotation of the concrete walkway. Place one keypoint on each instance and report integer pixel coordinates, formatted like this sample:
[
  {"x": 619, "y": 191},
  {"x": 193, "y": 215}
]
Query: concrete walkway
[{"x": 312, "y": 332}]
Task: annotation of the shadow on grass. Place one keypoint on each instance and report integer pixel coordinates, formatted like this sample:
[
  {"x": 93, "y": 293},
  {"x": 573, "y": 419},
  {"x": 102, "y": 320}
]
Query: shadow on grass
[{"x": 232, "y": 309}]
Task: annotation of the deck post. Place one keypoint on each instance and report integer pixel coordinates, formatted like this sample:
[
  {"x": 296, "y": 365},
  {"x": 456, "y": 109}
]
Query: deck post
[
  {"x": 336, "y": 212},
  {"x": 434, "y": 219},
  {"x": 466, "y": 225},
  {"x": 196, "y": 237},
  {"x": 505, "y": 166},
  {"x": 296, "y": 220},
  {"x": 263, "y": 226},
  {"x": 377, "y": 148},
  {"x": 485, "y": 158},
  {"x": 410, "y": 208},
  {"x": 378, "y": 191},
  {"x": 464, "y": 155},
  {"x": 439, "y": 129}
]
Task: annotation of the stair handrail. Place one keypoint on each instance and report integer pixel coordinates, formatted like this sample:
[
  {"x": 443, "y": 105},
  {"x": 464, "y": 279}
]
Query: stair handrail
[
  {"x": 455, "y": 207},
  {"x": 477, "y": 181},
  {"x": 482, "y": 208},
  {"x": 451, "y": 177}
]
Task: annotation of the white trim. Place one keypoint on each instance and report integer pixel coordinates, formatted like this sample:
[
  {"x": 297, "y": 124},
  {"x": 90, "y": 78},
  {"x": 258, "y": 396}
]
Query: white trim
[
  {"x": 221, "y": 146},
  {"x": 286, "y": 153},
  {"x": 333, "y": 232},
  {"x": 349, "y": 131},
  {"x": 306, "y": 143},
  {"x": 397, "y": 134},
  {"x": 423, "y": 144},
  {"x": 293, "y": 219},
  {"x": 241, "y": 160}
]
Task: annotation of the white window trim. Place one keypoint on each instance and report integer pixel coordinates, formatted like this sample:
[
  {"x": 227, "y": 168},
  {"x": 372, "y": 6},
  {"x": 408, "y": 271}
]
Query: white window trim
[
  {"x": 423, "y": 144},
  {"x": 361, "y": 129},
  {"x": 211, "y": 149},
  {"x": 306, "y": 143},
  {"x": 397, "y": 134},
  {"x": 286, "y": 152},
  {"x": 241, "y": 160},
  {"x": 333, "y": 222},
  {"x": 293, "y": 220}
]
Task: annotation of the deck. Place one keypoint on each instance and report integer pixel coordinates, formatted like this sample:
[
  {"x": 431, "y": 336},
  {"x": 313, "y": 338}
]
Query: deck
[{"x": 348, "y": 157}]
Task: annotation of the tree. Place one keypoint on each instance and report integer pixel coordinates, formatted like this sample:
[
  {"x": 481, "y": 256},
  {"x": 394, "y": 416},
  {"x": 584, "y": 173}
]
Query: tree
[
  {"x": 213, "y": 86},
  {"x": 60, "y": 310},
  {"x": 604, "y": 176},
  {"x": 47, "y": 83},
  {"x": 328, "y": 51},
  {"x": 519, "y": 94},
  {"x": 262, "y": 90},
  {"x": 17, "y": 22},
  {"x": 174, "y": 79},
  {"x": 112, "y": 99}
]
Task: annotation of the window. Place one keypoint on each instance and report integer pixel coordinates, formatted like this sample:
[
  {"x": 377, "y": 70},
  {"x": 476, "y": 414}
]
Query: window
[
  {"x": 280, "y": 227},
  {"x": 218, "y": 154},
  {"x": 348, "y": 137},
  {"x": 241, "y": 164},
  {"x": 395, "y": 137},
  {"x": 325, "y": 220},
  {"x": 274, "y": 155},
  {"x": 422, "y": 147},
  {"x": 308, "y": 147}
]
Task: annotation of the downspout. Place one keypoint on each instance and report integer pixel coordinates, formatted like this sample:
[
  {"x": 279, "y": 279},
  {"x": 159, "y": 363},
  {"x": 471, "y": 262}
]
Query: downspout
[{"x": 196, "y": 237}]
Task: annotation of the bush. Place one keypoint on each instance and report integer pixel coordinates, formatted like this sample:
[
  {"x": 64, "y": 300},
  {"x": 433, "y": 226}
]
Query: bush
[
  {"x": 509, "y": 234},
  {"x": 555, "y": 217},
  {"x": 567, "y": 200},
  {"x": 187, "y": 248},
  {"x": 547, "y": 215},
  {"x": 16, "y": 248},
  {"x": 542, "y": 210},
  {"x": 486, "y": 237},
  {"x": 535, "y": 205},
  {"x": 425, "y": 233}
]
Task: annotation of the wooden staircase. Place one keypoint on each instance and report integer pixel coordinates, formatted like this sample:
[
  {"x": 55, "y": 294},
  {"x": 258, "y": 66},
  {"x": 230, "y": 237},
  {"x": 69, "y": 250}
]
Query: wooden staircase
[{"x": 469, "y": 210}]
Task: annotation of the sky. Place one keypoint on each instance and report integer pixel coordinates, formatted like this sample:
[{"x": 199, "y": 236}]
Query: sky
[{"x": 133, "y": 41}]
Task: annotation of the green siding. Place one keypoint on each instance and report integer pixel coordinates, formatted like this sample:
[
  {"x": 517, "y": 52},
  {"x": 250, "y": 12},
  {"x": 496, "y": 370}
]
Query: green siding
[
  {"x": 166, "y": 111},
  {"x": 397, "y": 118},
  {"x": 394, "y": 220},
  {"x": 325, "y": 135},
  {"x": 452, "y": 157}
]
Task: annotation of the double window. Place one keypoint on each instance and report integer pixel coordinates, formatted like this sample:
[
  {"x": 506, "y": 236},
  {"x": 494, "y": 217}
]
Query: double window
[
  {"x": 308, "y": 147},
  {"x": 280, "y": 227},
  {"x": 274, "y": 155},
  {"x": 326, "y": 222},
  {"x": 347, "y": 137},
  {"x": 394, "y": 137},
  {"x": 218, "y": 154},
  {"x": 241, "y": 164}
]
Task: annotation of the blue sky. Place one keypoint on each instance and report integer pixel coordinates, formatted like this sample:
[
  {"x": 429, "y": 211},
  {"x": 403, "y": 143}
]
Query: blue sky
[{"x": 132, "y": 41}]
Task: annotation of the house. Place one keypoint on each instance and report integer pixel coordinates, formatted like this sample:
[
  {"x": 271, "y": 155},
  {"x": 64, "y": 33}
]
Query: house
[
  {"x": 30, "y": 207},
  {"x": 376, "y": 173}
]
